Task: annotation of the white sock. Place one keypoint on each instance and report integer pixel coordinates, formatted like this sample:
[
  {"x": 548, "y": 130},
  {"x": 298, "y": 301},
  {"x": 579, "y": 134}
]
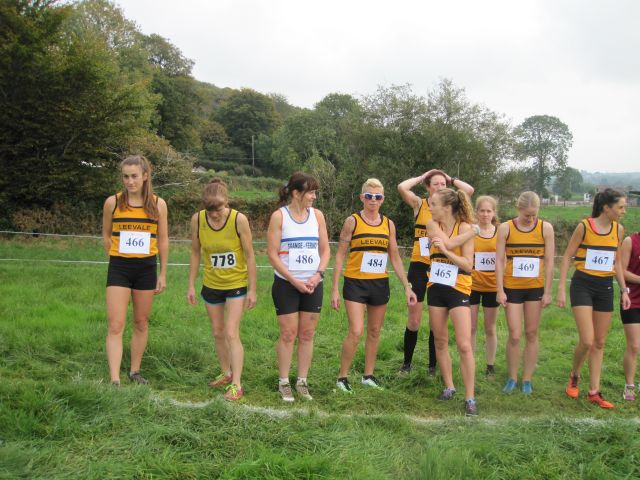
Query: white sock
[
  {"x": 301, "y": 380},
  {"x": 283, "y": 381}
]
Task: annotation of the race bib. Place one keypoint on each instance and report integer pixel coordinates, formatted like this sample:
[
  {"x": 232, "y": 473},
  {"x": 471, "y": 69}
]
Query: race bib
[
  {"x": 600, "y": 260},
  {"x": 443, "y": 273},
  {"x": 424, "y": 246},
  {"x": 306, "y": 259},
  {"x": 374, "y": 262},
  {"x": 135, "y": 242},
  {"x": 526, "y": 267},
  {"x": 223, "y": 260},
  {"x": 485, "y": 261}
]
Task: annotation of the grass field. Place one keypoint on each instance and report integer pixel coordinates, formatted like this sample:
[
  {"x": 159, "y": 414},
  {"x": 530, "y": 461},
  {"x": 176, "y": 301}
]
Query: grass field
[{"x": 59, "y": 418}]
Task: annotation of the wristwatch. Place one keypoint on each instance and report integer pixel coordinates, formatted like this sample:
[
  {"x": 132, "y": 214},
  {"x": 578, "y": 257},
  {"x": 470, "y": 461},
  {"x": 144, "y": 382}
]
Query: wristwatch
[
  {"x": 453, "y": 180},
  {"x": 321, "y": 273},
  {"x": 409, "y": 285},
  {"x": 626, "y": 290}
]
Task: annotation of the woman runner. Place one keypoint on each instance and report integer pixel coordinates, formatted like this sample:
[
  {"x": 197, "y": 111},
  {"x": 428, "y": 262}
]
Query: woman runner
[
  {"x": 134, "y": 231},
  {"x": 222, "y": 237}
]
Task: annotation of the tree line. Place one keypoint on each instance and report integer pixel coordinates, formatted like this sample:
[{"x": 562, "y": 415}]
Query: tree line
[{"x": 81, "y": 86}]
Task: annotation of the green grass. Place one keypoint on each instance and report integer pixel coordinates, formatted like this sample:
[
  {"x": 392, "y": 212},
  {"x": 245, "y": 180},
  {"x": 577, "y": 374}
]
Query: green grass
[{"x": 59, "y": 418}]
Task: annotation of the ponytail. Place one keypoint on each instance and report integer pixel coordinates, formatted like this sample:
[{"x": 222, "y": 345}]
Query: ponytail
[
  {"x": 460, "y": 204},
  {"x": 609, "y": 197},
  {"x": 302, "y": 182}
]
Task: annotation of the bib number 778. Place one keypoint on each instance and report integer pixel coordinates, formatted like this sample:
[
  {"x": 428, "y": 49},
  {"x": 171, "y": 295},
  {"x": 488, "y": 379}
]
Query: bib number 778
[{"x": 223, "y": 260}]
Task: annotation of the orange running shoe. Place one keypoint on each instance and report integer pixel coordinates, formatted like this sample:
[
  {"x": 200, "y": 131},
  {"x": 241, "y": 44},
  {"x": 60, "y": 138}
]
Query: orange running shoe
[
  {"x": 233, "y": 393},
  {"x": 598, "y": 400},
  {"x": 220, "y": 381},
  {"x": 572, "y": 390}
]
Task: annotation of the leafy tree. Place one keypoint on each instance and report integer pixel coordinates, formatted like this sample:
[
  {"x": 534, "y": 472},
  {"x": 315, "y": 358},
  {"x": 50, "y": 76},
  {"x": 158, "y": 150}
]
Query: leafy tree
[
  {"x": 246, "y": 113},
  {"x": 567, "y": 183},
  {"x": 544, "y": 140}
]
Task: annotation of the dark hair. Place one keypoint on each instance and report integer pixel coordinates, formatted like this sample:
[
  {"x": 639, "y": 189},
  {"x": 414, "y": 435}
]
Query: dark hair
[
  {"x": 302, "y": 182},
  {"x": 427, "y": 179},
  {"x": 212, "y": 191},
  {"x": 608, "y": 197},
  {"x": 460, "y": 204},
  {"x": 148, "y": 198}
]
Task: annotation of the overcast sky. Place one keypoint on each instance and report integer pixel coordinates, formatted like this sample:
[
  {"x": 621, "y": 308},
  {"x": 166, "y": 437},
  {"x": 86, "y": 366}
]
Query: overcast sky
[{"x": 576, "y": 60}]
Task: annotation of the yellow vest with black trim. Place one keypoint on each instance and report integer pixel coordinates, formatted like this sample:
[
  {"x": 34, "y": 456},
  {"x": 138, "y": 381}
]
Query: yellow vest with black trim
[
  {"x": 591, "y": 239},
  {"x": 132, "y": 219},
  {"x": 366, "y": 238},
  {"x": 463, "y": 280},
  {"x": 524, "y": 244},
  {"x": 420, "y": 230},
  {"x": 483, "y": 281},
  {"x": 225, "y": 266}
]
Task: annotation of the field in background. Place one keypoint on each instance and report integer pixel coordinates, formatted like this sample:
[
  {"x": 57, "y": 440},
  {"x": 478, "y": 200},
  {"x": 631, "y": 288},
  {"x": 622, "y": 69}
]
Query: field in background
[{"x": 60, "y": 419}]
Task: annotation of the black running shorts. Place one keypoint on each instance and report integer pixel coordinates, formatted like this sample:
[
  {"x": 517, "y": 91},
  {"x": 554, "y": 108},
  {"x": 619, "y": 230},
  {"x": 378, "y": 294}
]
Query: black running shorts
[
  {"x": 591, "y": 291},
  {"x": 213, "y": 296},
  {"x": 418, "y": 276},
  {"x": 488, "y": 299},
  {"x": 521, "y": 295},
  {"x": 445, "y": 296},
  {"x": 133, "y": 273},
  {"x": 287, "y": 299},
  {"x": 372, "y": 292}
]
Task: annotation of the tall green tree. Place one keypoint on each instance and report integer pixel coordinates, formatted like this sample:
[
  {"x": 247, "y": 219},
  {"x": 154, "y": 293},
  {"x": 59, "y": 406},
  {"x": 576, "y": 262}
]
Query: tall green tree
[
  {"x": 545, "y": 141},
  {"x": 568, "y": 182},
  {"x": 245, "y": 114}
]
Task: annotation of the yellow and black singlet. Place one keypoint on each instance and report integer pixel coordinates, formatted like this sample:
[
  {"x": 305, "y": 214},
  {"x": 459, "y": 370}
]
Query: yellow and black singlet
[
  {"x": 225, "y": 266},
  {"x": 440, "y": 262},
  {"x": 525, "y": 257},
  {"x": 484, "y": 271},
  {"x": 420, "y": 231},
  {"x": 133, "y": 233},
  {"x": 596, "y": 254},
  {"x": 368, "y": 250}
]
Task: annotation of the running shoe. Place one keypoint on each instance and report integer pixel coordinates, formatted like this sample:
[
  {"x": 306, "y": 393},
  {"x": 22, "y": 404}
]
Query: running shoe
[
  {"x": 510, "y": 386},
  {"x": 490, "y": 372},
  {"x": 370, "y": 381},
  {"x": 447, "y": 394},
  {"x": 527, "y": 388},
  {"x": 285, "y": 392},
  {"x": 572, "y": 389},
  {"x": 629, "y": 393},
  {"x": 470, "y": 408},
  {"x": 343, "y": 384},
  {"x": 220, "y": 381},
  {"x": 598, "y": 400},
  {"x": 303, "y": 390},
  {"x": 137, "y": 378},
  {"x": 405, "y": 369},
  {"x": 233, "y": 393}
]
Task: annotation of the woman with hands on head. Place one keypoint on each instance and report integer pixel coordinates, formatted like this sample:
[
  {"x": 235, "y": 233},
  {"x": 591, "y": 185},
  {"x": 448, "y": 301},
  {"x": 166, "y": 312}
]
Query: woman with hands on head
[
  {"x": 594, "y": 244},
  {"x": 524, "y": 275},
  {"x": 298, "y": 249},
  {"x": 222, "y": 237},
  {"x": 134, "y": 231},
  {"x": 449, "y": 288},
  {"x": 418, "y": 275},
  {"x": 371, "y": 239}
]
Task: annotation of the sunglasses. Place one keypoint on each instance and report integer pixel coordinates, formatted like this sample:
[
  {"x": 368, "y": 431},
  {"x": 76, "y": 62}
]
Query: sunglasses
[{"x": 374, "y": 196}]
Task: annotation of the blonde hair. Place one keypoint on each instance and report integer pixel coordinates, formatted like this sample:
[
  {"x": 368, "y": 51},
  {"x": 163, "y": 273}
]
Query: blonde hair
[
  {"x": 460, "y": 204},
  {"x": 372, "y": 183},
  {"x": 148, "y": 198},
  {"x": 528, "y": 200},
  {"x": 495, "y": 221},
  {"x": 213, "y": 190}
]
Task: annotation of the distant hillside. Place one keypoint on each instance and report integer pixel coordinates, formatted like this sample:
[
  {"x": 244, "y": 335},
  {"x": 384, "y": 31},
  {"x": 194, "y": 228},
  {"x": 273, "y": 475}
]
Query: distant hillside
[{"x": 631, "y": 179}]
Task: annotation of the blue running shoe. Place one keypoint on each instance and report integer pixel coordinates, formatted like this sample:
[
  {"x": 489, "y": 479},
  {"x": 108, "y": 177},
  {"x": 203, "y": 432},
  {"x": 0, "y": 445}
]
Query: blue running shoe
[
  {"x": 470, "y": 408},
  {"x": 447, "y": 394},
  {"x": 510, "y": 385},
  {"x": 527, "y": 389}
]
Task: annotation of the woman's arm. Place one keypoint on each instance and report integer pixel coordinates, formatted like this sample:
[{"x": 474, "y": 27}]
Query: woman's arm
[
  {"x": 464, "y": 261},
  {"x": 163, "y": 245},
  {"x": 398, "y": 267},
  {"x": 549, "y": 256},
  {"x": 107, "y": 218},
  {"x": 572, "y": 247},
  {"x": 274, "y": 236},
  {"x": 194, "y": 260},
  {"x": 323, "y": 249},
  {"x": 460, "y": 185},
  {"x": 343, "y": 244},
  {"x": 246, "y": 239},
  {"x": 501, "y": 261},
  {"x": 410, "y": 198}
]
